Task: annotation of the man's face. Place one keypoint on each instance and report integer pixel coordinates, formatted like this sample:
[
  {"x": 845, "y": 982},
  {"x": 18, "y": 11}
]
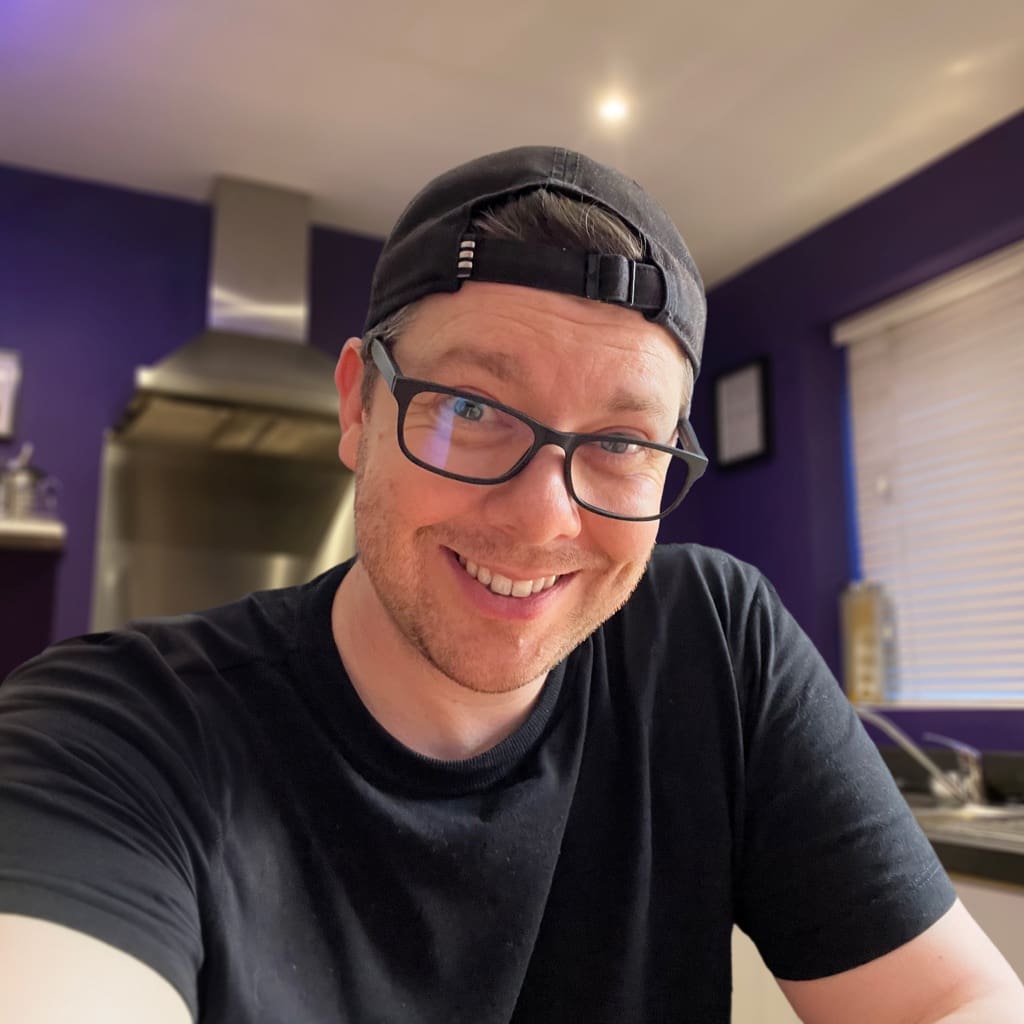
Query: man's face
[{"x": 571, "y": 363}]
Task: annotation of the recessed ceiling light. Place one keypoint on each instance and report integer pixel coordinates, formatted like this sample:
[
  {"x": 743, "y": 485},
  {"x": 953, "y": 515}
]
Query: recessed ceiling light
[{"x": 613, "y": 108}]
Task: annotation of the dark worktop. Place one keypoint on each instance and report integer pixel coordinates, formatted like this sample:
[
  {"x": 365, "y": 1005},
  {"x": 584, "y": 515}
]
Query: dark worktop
[{"x": 962, "y": 852}]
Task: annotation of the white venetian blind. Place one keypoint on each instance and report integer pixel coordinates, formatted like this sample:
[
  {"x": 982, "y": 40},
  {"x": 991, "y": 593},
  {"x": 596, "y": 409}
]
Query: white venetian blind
[{"x": 936, "y": 381}]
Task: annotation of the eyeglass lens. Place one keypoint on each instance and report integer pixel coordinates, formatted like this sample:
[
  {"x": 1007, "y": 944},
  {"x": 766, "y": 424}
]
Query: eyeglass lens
[{"x": 471, "y": 438}]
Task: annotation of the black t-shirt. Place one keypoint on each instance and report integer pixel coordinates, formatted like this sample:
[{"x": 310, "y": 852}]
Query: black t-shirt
[{"x": 209, "y": 794}]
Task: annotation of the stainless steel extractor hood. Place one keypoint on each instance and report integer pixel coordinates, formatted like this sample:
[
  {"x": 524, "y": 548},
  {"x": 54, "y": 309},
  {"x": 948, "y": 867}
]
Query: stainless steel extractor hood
[
  {"x": 252, "y": 364},
  {"x": 222, "y": 475}
]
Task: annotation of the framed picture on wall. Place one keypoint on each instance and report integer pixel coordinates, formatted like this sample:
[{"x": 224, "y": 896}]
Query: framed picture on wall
[
  {"x": 741, "y": 400},
  {"x": 10, "y": 378}
]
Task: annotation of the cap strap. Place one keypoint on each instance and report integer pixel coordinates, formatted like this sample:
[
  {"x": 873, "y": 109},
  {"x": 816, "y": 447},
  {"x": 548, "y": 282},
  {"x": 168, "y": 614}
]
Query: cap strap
[{"x": 607, "y": 278}]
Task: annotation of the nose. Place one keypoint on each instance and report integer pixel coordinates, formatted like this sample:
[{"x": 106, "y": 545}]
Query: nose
[{"x": 535, "y": 505}]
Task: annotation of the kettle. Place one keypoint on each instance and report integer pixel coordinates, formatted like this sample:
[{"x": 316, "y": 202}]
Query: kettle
[{"x": 26, "y": 492}]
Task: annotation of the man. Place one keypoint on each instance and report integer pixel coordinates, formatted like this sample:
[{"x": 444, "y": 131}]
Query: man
[{"x": 506, "y": 765}]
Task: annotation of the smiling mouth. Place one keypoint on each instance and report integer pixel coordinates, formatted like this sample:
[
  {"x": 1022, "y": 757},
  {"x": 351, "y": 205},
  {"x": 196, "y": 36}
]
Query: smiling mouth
[{"x": 502, "y": 585}]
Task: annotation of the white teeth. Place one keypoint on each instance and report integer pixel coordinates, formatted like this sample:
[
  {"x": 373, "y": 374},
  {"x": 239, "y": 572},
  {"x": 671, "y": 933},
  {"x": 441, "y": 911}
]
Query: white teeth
[
  {"x": 504, "y": 586},
  {"x": 544, "y": 583}
]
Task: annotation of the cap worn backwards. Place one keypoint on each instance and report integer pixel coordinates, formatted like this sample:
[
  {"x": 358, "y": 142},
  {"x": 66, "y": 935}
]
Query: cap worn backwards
[{"x": 432, "y": 248}]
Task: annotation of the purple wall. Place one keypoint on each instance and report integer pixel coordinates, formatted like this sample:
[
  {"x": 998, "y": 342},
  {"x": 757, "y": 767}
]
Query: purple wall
[
  {"x": 95, "y": 281},
  {"x": 790, "y": 514}
]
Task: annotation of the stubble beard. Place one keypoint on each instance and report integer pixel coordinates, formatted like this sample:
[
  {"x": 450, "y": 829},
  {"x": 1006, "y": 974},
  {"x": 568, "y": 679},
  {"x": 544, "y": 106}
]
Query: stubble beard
[{"x": 432, "y": 631}]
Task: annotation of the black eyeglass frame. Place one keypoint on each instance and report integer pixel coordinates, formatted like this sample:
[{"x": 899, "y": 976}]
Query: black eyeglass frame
[{"x": 405, "y": 389}]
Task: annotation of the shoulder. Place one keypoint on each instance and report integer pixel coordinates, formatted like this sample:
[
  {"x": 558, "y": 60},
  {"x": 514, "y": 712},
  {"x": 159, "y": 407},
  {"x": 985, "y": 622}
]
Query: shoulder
[
  {"x": 155, "y": 682},
  {"x": 162, "y": 712},
  {"x": 689, "y": 622},
  {"x": 702, "y": 615},
  {"x": 260, "y": 627},
  {"x": 699, "y": 581},
  {"x": 695, "y": 562}
]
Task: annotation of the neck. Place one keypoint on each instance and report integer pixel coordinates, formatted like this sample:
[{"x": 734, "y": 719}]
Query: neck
[{"x": 419, "y": 705}]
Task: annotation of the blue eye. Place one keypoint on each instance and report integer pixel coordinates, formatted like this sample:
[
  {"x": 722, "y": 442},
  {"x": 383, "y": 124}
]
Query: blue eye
[
  {"x": 466, "y": 409},
  {"x": 617, "y": 447}
]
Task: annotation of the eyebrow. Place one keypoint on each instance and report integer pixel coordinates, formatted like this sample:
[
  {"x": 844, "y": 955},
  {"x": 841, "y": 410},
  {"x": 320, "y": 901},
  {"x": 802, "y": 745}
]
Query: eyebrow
[
  {"x": 505, "y": 368},
  {"x": 500, "y": 365}
]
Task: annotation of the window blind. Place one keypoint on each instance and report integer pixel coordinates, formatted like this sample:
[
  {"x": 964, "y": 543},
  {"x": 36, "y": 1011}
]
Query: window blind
[{"x": 936, "y": 381}]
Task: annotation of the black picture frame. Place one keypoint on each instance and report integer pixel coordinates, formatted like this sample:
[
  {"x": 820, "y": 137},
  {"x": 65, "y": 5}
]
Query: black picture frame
[{"x": 742, "y": 399}]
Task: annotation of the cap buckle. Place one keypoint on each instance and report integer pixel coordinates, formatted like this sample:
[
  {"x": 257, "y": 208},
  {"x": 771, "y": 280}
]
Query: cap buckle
[{"x": 611, "y": 279}]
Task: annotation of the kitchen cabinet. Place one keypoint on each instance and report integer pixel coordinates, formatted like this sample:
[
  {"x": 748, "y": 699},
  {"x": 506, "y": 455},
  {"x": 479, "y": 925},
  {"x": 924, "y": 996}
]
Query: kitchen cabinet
[
  {"x": 999, "y": 909},
  {"x": 756, "y": 996}
]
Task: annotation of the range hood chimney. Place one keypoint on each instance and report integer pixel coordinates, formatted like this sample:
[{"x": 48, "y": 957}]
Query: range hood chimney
[
  {"x": 254, "y": 351},
  {"x": 222, "y": 475}
]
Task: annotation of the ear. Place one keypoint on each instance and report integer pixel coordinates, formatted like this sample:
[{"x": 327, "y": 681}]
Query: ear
[{"x": 348, "y": 379}]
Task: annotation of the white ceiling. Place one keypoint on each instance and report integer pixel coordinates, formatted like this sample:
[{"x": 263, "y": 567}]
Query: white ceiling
[{"x": 753, "y": 121}]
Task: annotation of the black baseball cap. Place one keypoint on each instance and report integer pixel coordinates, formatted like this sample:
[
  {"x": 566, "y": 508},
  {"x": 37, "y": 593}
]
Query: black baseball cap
[{"x": 432, "y": 247}]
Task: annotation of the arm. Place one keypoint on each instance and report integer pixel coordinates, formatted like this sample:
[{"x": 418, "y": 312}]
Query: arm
[
  {"x": 50, "y": 974},
  {"x": 840, "y": 890},
  {"x": 103, "y": 833},
  {"x": 950, "y": 974}
]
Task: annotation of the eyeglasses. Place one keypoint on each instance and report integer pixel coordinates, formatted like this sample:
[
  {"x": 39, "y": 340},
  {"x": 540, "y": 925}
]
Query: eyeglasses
[{"x": 466, "y": 437}]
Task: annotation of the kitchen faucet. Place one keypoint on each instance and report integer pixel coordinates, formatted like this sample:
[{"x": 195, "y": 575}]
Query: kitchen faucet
[{"x": 966, "y": 786}]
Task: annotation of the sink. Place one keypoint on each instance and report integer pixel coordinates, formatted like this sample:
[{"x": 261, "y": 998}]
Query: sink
[
  {"x": 970, "y": 812},
  {"x": 999, "y": 827}
]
